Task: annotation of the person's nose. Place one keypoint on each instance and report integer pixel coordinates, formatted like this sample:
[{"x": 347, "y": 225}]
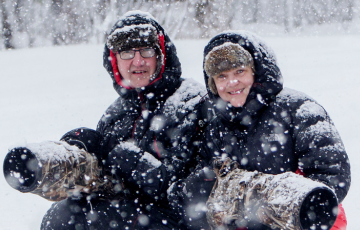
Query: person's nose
[
  {"x": 138, "y": 60},
  {"x": 233, "y": 80}
]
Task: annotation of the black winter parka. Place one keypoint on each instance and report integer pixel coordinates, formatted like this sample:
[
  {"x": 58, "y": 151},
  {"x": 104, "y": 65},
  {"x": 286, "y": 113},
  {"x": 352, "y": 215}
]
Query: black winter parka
[
  {"x": 147, "y": 133},
  {"x": 277, "y": 130},
  {"x": 145, "y": 138}
]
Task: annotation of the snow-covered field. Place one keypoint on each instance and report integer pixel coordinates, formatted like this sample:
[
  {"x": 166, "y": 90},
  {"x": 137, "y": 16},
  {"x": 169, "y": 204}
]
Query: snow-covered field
[{"x": 45, "y": 92}]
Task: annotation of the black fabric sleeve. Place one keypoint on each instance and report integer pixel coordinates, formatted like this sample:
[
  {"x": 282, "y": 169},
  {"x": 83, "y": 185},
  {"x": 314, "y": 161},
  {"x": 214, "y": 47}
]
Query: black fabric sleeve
[
  {"x": 83, "y": 138},
  {"x": 321, "y": 153}
]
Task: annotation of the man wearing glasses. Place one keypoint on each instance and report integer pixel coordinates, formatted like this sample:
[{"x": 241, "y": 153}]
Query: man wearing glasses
[
  {"x": 145, "y": 138},
  {"x": 137, "y": 66}
]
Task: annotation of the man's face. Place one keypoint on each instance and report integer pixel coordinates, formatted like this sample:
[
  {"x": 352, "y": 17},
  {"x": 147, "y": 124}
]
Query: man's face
[
  {"x": 138, "y": 70},
  {"x": 234, "y": 85}
]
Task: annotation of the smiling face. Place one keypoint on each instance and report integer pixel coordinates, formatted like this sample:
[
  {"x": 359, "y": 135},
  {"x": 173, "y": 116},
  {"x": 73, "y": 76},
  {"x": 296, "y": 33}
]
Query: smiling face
[
  {"x": 234, "y": 85},
  {"x": 137, "y": 72}
]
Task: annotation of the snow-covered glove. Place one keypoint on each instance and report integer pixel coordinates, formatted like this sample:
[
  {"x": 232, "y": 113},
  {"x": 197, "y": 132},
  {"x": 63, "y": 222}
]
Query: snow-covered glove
[
  {"x": 52, "y": 169},
  {"x": 122, "y": 160},
  {"x": 83, "y": 138},
  {"x": 133, "y": 168},
  {"x": 284, "y": 201}
]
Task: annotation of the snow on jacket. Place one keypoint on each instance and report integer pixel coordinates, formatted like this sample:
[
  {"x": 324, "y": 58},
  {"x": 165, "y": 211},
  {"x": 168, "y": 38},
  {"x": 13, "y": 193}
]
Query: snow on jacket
[
  {"x": 277, "y": 130},
  {"x": 147, "y": 133}
]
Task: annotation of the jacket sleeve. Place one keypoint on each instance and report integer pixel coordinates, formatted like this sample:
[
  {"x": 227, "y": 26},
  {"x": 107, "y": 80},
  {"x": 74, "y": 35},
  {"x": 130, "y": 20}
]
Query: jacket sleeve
[
  {"x": 84, "y": 138},
  {"x": 188, "y": 195},
  {"x": 321, "y": 153}
]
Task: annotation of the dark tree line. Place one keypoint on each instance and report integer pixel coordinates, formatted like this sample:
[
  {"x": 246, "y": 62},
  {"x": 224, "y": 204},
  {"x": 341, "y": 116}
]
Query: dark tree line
[{"x": 28, "y": 23}]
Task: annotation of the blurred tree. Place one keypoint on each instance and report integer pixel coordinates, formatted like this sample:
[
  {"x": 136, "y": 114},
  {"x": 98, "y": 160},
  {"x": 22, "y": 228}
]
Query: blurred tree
[
  {"x": 6, "y": 28},
  {"x": 26, "y": 23},
  {"x": 297, "y": 10}
]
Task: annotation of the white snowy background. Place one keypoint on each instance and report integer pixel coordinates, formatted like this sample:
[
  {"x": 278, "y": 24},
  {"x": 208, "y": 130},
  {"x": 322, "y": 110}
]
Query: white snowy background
[{"x": 45, "y": 92}]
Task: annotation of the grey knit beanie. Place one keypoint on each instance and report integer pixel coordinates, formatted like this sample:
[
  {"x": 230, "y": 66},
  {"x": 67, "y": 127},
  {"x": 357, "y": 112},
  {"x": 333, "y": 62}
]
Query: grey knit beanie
[{"x": 224, "y": 58}]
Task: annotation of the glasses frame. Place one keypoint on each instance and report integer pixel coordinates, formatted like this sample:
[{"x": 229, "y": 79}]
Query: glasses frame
[{"x": 134, "y": 52}]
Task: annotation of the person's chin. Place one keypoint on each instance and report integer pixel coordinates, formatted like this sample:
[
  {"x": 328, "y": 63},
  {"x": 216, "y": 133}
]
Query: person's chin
[
  {"x": 141, "y": 84},
  {"x": 237, "y": 103}
]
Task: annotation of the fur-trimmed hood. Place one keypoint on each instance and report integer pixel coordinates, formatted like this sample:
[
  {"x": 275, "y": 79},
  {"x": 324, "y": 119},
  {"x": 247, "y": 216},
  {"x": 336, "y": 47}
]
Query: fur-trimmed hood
[
  {"x": 268, "y": 79},
  {"x": 170, "y": 72}
]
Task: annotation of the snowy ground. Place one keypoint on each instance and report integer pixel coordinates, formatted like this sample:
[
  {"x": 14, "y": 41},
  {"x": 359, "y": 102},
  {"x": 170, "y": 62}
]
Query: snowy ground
[{"x": 45, "y": 92}]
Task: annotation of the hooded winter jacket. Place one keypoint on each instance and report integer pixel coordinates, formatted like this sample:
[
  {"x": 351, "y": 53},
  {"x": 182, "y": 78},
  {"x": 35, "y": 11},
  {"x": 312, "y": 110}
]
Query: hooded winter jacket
[
  {"x": 144, "y": 139},
  {"x": 147, "y": 133},
  {"x": 277, "y": 130}
]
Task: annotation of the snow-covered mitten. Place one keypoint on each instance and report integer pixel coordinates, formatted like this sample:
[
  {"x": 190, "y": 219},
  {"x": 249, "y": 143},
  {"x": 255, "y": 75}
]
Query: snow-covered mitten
[
  {"x": 283, "y": 201},
  {"x": 122, "y": 160},
  {"x": 132, "y": 168},
  {"x": 52, "y": 169}
]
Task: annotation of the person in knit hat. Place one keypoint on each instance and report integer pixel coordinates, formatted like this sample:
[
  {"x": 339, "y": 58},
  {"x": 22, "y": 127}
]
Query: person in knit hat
[
  {"x": 136, "y": 70},
  {"x": 228, "y": 60},
  {"x": 250, "y": 118},
  {"x": 135, "y": 138}
]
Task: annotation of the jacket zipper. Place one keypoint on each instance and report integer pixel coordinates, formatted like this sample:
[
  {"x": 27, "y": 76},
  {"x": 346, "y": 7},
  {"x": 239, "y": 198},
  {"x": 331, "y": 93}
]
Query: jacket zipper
[{"x": 142, "y": 104}]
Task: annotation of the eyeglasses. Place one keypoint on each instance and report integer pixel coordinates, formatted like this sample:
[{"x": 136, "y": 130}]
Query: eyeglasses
[{"x": 130, "y": 54}]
